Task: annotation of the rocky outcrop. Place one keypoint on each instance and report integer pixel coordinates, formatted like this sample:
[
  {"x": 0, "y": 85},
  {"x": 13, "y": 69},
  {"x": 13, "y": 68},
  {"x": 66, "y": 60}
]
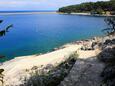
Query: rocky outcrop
[
  {"x": 84, "y": 73},
  {"x": 108, "y": 75},
  {"x": 107, "y": 55}
]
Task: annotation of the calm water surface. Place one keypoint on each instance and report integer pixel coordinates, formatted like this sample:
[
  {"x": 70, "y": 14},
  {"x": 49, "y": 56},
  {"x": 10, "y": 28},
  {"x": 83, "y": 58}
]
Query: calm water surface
[{"x": 40, "y": 33}]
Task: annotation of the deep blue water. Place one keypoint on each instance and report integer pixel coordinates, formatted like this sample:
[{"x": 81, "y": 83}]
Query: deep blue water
[{"x": 40, "y": 33}]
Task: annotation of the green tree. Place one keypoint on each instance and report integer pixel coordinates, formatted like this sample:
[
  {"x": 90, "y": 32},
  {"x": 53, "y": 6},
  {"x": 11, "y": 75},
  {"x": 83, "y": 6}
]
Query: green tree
[
  {"x": 100, "y": 11},
  {"x": 110, "y": 30},
  {"x": 98, "y": 7},
  {"x": 2, "y": 33}
]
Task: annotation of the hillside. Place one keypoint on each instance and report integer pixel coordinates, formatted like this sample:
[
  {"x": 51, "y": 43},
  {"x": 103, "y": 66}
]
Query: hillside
[{"x": 100, "y": 7}]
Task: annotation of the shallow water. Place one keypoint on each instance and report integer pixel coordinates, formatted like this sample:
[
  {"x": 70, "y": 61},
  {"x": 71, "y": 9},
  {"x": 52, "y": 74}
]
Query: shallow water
[{"x": 40, "y": 33}]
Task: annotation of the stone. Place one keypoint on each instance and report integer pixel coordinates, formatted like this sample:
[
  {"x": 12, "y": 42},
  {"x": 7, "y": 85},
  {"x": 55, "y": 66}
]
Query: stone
[
  {"x": 84, "y": 73},
  {"x": 107, "y": 55}
]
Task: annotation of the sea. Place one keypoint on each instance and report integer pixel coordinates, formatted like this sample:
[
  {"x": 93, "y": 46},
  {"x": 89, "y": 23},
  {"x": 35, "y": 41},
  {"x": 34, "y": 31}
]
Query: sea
[{"x": 38, "y": 33}]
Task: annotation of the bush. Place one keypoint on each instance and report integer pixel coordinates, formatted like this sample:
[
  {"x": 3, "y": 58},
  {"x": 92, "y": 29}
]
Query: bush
[{"x": 50, "y": 75}]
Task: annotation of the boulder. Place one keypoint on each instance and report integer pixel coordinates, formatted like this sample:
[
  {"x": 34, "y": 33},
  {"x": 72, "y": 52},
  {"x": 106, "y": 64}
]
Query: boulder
[
  {"x": 108, "y": 41},
  {"x": 108, "y": 75},
  {"x": 113, "y": 41},
  {"x": 107, "y": 55}
]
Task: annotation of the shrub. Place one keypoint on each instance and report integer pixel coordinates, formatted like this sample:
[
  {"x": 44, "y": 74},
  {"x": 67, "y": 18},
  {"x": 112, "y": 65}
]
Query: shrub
[{"x": 50, "y": 75}]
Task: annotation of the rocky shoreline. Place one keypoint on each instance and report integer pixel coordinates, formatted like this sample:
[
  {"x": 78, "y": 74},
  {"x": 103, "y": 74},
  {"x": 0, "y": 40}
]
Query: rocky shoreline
[
  {"x": 15, "y": 68},
  {"x": 19, "y": 64},
  {"x": 87, "y": 14}
]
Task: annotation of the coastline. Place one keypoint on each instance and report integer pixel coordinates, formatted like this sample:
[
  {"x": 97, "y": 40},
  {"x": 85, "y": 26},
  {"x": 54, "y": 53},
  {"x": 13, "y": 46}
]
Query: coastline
[
  {"x": 16, "y": 68},
  {"x": 14, "y": 53},
  {"x": 79, "y": 14},
  {"x": 19, "y": 66},
  {"x": 87, "y": 14},
  {"x": 16, "y": 13}
]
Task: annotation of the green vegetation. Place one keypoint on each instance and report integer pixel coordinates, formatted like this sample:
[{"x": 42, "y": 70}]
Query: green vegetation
[
  {"x": 100, "y": 7},
  {"x": 2, "y": 33},
  {"x": 110, "y": 30},
  {"x": 50, "y": 75},
  {"x": 108, "y": 54},
  {"x": 2, "y": 76}
]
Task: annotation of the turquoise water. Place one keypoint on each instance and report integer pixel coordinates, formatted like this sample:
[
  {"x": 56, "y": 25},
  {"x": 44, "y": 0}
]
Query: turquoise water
[{"x": 40, "y": 33}]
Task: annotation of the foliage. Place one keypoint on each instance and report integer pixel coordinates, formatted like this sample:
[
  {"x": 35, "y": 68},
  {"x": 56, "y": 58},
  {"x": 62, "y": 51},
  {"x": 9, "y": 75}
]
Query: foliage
[
  {"x": 50, "y": 75},
  {"x": 110, "y": 30},
  {"x": 3, "y": 32},
  {"x": 95, "y": 7},
  {"x": 1, "y": 76}
]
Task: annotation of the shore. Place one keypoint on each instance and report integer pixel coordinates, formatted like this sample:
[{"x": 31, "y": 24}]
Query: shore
[
  {"x": 16, "y": 13},
  {"x": 80, "y": 14},
  {"x": 87, "y": 14},
  {"x": 16, "y": 68}
]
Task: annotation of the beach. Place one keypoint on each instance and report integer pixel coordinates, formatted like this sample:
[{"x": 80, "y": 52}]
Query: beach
[
  {"x": 18, "y": 13},
  {"x": 16, "y": 68}
]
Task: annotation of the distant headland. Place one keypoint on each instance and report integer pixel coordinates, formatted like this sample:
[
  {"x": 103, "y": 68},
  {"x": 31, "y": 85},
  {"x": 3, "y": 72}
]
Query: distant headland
[{"x": 91, "y": 8}]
